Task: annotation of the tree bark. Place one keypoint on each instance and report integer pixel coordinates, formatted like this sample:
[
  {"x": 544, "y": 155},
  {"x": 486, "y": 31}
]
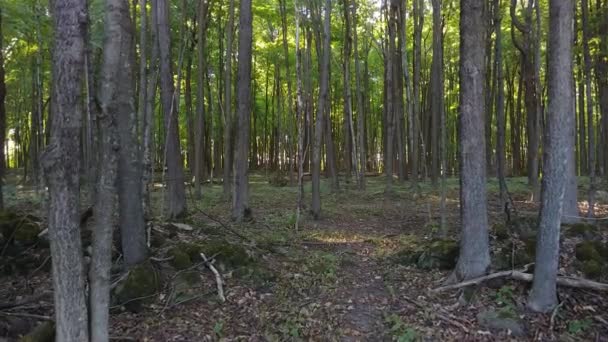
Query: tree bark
[
  {"x": 240, "y": 197},
  {"x": 543, "y": 296},
  {"x": 2, "y": 115},
  {"x": 590, "y": 127},
  {"x": 199, "y": 147},
  {"x": 437, "y": 101},
  {"x": 61, "y": 163},
  {"x": 320, "y": 120},
  {"x": 228, "y": 150},
  {"x": 176, "y": 193},
  {"x": 474, "y": 258},
  {"x": 117, "y": 99},
  {"x": 360, "y": 105}
]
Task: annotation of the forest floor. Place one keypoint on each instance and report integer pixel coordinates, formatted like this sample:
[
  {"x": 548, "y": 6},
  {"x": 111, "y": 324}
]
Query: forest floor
[{"x": 355, "y": 275}]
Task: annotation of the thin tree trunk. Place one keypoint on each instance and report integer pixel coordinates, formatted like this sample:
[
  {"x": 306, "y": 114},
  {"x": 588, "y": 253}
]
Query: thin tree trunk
[
  {"x": 543, "y": 297},
  {"x": 590, "y": 127},
  {"x": 228, "y": 104},
  {"x": 61, "y": 163},
  {"x": 360, "y": 105},
  {"x": 199, "y": 146},
  {"x": 117, "y": 100},
  {"x": 500, "y": 105},
  {"x": 3, "y": 163},
  {"x": 320, "y": 120},
  {"x": 240, "y": 197},
  {"x": 176, "y": 194}
]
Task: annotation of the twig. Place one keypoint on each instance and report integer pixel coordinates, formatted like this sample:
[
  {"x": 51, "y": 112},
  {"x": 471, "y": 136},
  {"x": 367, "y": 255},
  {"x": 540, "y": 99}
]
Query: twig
[
  {"x": 218, "y": 278},
  {"x": 4, "y": 306},
  {"x": 553, "y": 315},
  {"x": 26, "y": 315}
]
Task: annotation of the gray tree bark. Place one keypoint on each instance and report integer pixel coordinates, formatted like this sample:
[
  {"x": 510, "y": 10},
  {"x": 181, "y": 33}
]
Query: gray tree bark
[
  {"x": 360, "y": 105},
  {"x": 474, "y": 258},
  {"x": 2, "y": 114},
  {"x": 228, "y": 125},
  {"x": 437, "y": 101},
  {"x": 176, "y": 193},
  {"x": 61, "y": 163},
  {"x": 320, "y": 120},
  {"x": 543, "y": 297},
  {"x": 240, "y": 197},
  {"x": 590, "y": 127},
  {"x": 117, "y": 99},
  {"x": 199, "y": 148}
]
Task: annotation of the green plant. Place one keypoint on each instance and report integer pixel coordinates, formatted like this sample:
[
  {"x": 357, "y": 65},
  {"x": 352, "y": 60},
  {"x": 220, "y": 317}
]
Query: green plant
[
  {"x": 218, "y": 329},
  {"x": 399, "y": 330},
  {"x": 578, "y": 326},
  {"x": 504, "y": 298}
]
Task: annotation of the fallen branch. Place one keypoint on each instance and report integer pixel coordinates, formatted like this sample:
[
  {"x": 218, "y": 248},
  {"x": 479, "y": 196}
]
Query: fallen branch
[
  {"x": 4, "y": 306},
  {"x": 218, "y": 278},
  {"x": 26, "y": 315},
  {"x": 521, "y": 275}
]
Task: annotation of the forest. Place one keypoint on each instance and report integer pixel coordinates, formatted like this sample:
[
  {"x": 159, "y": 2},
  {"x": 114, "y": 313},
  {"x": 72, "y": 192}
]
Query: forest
[{"x": 303, "y": 170}]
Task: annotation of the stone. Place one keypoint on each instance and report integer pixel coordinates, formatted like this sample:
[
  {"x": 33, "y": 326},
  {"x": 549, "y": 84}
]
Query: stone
[{"x": 500, "y": 321}]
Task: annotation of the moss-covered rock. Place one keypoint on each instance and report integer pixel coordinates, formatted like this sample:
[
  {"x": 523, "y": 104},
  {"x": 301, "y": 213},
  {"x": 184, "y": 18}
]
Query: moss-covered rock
[
  {"x": 18, "y": 228},
  {"x": 45, "y": 332},
  {"x": 227, "y": 255},
  {"x": 593, "y": 269},
  {"x": 582, "y": 230},
  {"x": 525, "y": 227},
  {"x": 591, "y": 250},
  {"x": 142, "y": 283},
  {"x": 439, "y": 254},
  {"x": 501, "y": 231},
  {"x": 497, "y": 321},
  {"x": 510, "y": 256},
  {"x": 180, "y": 258},
  {"x": 436, "y": 254}
]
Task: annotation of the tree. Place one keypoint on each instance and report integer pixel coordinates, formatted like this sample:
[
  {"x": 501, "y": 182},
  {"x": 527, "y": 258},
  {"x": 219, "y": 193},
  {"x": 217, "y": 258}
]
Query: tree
[
  {"x": 474, "y": 258},
  {"x": 61, "y": 163},
  {"x": 437, "y": 101},
  {"x": 590, "y": 127},
  {"x": 131, "y": 215},
  {"x": 227, "y": 109},
  {"x": 199, "y": 149},
  {"x": 2, "y": 115},
  {"x": 543, "y": 296},
  {"x": 176, "y": 193},
  {"x": 320, "y": 119},
  {"x": 117, "y": 100},
  {"x": 240, "y": 197}
]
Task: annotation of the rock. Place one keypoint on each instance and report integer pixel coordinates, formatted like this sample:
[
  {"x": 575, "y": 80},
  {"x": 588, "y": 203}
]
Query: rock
[
  {"x": 501, "y": 231},
  {"x": 592, "y": 269},
  {"x": 227, "y": 255},
  {"x": 440, "y": 254},
  {"x": 141, "y": 284},
  {"x": 20, "y": 229},
  {"x": 437, "y": 254},
  {"x": 591, "y": 250},
  {"x": 45, "y": 332},
  {"x": 525, "y": 227},
  {"x": 506, "y": 257},
  {"x": 502, "y": 321},
  {"x": 601, "y": 196},
  {"x": 583, "y": 230},
  {"x": 180, "y": 258}
]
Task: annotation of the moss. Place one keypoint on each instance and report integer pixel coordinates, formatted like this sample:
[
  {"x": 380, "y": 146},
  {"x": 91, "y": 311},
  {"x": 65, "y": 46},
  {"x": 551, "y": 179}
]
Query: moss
[
  {"x": 141, "y": 283},
  {"x": 501, "y": 231},
  {"x": 592, "y": 269},
  {"x": 228, "y": 255},
  {"x": 507, "y": 257},
  {"x": 181, "y": 260},
  {"x": 27, "y": 233},
  {"x": 525, "y": 227},
  {"x": 45, "y": 332},
  {"x": 440, "y": 254},
  {"x": 583, "y": 230},
  {"x": 530, "y": 246},
  {"x": 257, "y": 274},
  {"x": 591, "y": 250},
  {"x": 437, "y": 254},
  {"x": 21, "y": 229}
]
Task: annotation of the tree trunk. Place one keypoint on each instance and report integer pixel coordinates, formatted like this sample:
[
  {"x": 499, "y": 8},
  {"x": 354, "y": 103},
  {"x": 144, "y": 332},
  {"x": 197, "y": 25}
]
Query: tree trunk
[
  {"x": 176, "y": 193},
  {"x": 602, "y": 80},
  {"x": 2, "y": 115},
  {"x": 199, "y": 147},
  {"x": 417, "y": 65},
  {"x": 500, "y": 106},
  {"x": 228, "y": 125},
  {"x": 117, "y": 100},
  {"x": 543, "y": 296},
  {"x": 437, "y": 101},
  {"x": 474, "y": 258},
  {"x": 360, "y": 105},
  {"x": 131, "y": 215},
  {"x": 320, "y": 120},
  {"x": 61, "y": 163},
  {"x": 240, "y": 197},
  {"x": 590, "y": 127}
]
